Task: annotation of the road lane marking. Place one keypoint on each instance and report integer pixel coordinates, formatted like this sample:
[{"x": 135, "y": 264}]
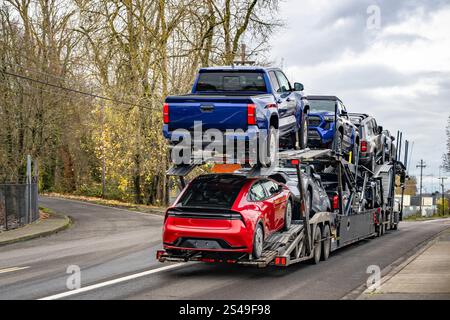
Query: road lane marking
[
  {"x": 12, "y": 269},
  {"x": 111, "y": 282}
]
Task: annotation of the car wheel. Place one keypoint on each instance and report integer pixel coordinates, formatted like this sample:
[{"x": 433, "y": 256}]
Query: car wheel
[
  {"x": 317, "y": 246},
  {"x": 258, "y": 242},
  {"x": 355, "y": 156},
  {"x": 338, "y": 143},
  {"x": 288, "y": 216},
  {"x": 303, "y": 132},
  {"x": 326, "y": 242},
  {"x": 308, "y": 204},
  {"x": 372, "y": 163},
  {"x": 269, "y": 156}
]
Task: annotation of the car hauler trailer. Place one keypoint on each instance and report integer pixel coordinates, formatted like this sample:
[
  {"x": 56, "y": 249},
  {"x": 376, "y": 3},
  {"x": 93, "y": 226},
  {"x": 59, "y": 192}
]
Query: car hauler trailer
[{"x": 316, "y": 237}]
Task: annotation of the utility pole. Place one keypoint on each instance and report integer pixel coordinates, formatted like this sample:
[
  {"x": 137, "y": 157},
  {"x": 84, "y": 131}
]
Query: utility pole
[
  {"x": 243, "y": 48},
  {"x": 443, "y": 194},
  {"x": 422, "y": 166},
  {"x": 243, "y": 57}
]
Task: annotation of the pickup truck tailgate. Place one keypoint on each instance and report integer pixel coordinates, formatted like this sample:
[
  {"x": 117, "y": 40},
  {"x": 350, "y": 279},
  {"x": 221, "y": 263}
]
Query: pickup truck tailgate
[{"x": 213, "y": 112}]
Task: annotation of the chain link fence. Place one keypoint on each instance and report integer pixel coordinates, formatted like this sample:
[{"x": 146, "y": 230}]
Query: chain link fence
[{"x": 18, "y": 205}]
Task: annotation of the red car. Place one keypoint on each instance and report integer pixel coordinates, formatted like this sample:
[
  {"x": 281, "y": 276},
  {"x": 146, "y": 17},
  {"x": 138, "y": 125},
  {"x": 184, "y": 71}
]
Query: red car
[{"x": 227, "y": 213}]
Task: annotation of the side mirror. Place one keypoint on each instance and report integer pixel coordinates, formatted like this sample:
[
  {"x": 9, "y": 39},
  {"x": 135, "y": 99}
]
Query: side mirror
[
  {"x": 344, "y": 113},
  {"x": 380, "y": 129},
  {"x": 317, "y": 177},
  {"x": 392, "y": 138},
  {"x": 298, "y": 86}
]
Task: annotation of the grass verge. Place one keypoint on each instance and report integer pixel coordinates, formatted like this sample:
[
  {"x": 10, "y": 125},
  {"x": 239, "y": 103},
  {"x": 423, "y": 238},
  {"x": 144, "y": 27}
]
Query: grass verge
[{"x": 418, "y": 218}]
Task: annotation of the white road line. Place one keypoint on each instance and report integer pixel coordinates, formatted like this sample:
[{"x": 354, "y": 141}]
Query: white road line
[
  {"x": 111, "y": 282},
  {"x": 12, "y": 269}
]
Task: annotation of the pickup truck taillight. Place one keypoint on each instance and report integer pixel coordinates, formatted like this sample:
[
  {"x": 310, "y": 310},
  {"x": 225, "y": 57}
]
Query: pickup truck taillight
[
  {"x": 166, "y": 113},
  {"x": 363, "y": 146},
  {"x": 251, "y": 114}
]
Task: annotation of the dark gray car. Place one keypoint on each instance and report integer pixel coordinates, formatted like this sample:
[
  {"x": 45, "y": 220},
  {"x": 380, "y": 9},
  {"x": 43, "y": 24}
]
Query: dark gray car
[
  {"x": 389, "y": 146},
  {"x": 371, "y": 145},
  {"x": 316, "y": 196}
]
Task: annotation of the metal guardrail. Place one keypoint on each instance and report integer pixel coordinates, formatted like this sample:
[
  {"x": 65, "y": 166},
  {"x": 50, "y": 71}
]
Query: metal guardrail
[{"x": 18, "y": 205}]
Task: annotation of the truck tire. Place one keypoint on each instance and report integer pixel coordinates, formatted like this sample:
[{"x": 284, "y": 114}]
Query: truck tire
[
  {"x": 326, "y": 242},
  {"x": 303, "y": 133},
  {"x": 380, "y": 229},
  {"x": 258, "y": 242},
  {"x": 288, "y": 216},
  {"x": 317, "y": 246}
]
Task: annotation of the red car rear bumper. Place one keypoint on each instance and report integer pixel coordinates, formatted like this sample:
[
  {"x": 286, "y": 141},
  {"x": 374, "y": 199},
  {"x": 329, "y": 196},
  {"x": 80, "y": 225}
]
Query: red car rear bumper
[{"x": 207, "y": 235}]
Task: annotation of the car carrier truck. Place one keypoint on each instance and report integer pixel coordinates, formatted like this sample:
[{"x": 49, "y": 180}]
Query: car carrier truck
[{"x": 365, "y": 208}]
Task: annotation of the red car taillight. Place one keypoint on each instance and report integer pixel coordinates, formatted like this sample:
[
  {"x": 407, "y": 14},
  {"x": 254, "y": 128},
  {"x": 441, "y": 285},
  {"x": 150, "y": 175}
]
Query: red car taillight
[
  {"x": 364, "y": 146},
  {"x": 166, "y": 113},
  {"x": 335, "y": 202},
  {"x": 251, "y": 114}
]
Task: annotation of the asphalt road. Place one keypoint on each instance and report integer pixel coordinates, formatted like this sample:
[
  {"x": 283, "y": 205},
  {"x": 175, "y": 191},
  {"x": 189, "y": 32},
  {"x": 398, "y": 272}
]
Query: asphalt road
[{"x": 109, "y": 244}]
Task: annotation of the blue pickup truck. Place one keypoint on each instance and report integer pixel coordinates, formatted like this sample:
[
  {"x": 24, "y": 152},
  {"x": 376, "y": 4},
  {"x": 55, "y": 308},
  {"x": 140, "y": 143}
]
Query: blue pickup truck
[
  {"x": 330, "y": 126},
  {"x": 252, "y": 99}
]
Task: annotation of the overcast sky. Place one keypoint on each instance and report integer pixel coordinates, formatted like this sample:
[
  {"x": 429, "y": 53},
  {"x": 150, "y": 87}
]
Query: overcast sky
[{"x": 396, "y": 68}]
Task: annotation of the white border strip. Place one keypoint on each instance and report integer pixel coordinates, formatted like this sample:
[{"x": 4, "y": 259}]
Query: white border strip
[
  {"x": 12, "y": 269},
  {"x": 110, "y": 282}
]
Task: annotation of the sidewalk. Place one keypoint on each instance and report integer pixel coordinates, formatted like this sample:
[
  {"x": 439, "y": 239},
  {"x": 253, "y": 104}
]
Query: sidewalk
[
  {"x": 425, "y": 276},
  {"x": 40, "y": 228}
]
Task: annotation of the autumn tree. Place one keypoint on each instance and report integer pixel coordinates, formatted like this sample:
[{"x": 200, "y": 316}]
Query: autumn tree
[{"x": 83, "y": 83}]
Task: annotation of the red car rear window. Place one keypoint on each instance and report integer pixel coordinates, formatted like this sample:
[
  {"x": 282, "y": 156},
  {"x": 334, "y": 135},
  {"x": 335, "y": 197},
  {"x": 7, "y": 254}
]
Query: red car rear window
[{"x": 215, "y": 191}]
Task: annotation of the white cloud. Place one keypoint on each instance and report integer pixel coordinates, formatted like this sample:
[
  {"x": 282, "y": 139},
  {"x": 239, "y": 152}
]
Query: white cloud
[{"x": 399, "y": 73}]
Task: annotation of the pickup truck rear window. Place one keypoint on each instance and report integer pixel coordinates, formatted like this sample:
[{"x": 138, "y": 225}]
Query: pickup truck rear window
[
  {"x": 231, "y": 82},
  {"x": 212, "y": 192}
]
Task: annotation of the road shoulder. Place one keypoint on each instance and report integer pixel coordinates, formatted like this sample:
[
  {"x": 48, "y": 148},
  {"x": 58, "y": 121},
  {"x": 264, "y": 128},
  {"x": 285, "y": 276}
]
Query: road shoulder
[
  {"x": 41, "y": 228},
  {"x": 425, "y": 275}
]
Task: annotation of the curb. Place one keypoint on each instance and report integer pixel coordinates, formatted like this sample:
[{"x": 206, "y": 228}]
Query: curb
[
  {"x": 395, "y": 267},
  {"x": 68, "y": 222}
]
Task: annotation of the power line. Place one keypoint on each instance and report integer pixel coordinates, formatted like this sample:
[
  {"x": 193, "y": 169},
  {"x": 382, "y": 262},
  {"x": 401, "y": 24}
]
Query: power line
[
  {"x": 73, "y": 90},
  {"x": 10, "y": 64},
  {"x": 60, "y": 96}
]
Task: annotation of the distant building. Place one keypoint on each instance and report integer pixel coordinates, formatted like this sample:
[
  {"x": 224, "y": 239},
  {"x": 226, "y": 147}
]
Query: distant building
[{"x": 411, "y": 204}]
